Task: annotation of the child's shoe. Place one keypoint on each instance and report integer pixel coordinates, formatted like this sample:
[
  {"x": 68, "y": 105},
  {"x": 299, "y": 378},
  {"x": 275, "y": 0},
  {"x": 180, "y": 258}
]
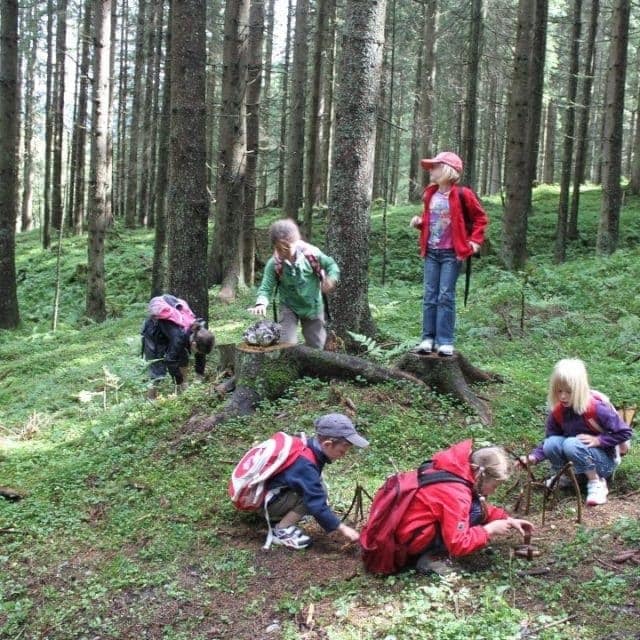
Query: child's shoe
[
  {"x": 445, "y": 350},
  {"x": 429, "y": 563},
  {"x": 426, "y": 346},
  {"x": 596, "y": 492},
  {"x": 291, "y": 537}
]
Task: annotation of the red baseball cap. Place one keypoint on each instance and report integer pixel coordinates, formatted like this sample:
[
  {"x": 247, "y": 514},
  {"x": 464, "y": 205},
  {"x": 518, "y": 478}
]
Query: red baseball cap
[{"x": 444, "y": 157}]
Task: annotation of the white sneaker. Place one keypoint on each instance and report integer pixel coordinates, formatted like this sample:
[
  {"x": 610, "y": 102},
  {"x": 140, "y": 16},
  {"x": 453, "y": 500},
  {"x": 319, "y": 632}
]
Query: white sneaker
[
  {"x": 291, "y": 537},
  {"x": 445, "y": 350},
  {"x": 597, "y": 492},
  {"x": 426, "y": 346}
]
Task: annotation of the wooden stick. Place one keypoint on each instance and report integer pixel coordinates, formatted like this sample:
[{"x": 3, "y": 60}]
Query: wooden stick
[{"x": 555, "y": 623}]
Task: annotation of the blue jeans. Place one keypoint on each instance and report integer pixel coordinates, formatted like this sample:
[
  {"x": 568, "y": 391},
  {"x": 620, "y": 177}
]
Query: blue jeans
[
  {"x": 441, "y": 267},
  {"x": 559, "y": 450}
]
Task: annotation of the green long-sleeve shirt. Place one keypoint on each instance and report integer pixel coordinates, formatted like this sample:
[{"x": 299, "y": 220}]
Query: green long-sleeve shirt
[{"x": 299, "y": 285}]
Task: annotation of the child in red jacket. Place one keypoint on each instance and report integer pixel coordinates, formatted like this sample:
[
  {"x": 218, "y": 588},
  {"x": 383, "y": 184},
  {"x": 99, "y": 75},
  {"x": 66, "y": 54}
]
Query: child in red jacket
[
  {"x": 451, "y": 518},
  {"x": 452, "y": 229}
]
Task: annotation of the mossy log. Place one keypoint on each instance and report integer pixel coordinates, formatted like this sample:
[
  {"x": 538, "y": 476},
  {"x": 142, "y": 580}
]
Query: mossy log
[{"x": 451, "y": 376}]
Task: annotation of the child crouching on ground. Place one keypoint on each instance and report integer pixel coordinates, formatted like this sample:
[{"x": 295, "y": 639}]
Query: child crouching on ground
[
  {"x": 300, "y": 490},
  {"x": 583, "y": 427}
]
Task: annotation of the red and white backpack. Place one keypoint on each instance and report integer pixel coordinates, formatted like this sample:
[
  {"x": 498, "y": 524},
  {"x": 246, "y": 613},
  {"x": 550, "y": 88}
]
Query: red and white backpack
[
  {"x": 176, "y": 310},
  {"x": 247, "y": 486}
]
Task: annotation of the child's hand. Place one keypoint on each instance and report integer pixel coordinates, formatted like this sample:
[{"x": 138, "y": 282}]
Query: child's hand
[
  {"x": 475, "y": 247},
  {"x": 327, "y": 285},
  {"x": 525, "y": 461},
  {"x": 349, "y": 533},
  {"x": 588, "y": 440},
  {"x": 416, "y": 222},
  {"x": 522, "y": 526},
  {"x": 258, "y": 310}
]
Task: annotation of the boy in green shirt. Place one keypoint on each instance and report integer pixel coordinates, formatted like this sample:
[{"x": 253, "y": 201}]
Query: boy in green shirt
[{"x": 302, "y": 273}]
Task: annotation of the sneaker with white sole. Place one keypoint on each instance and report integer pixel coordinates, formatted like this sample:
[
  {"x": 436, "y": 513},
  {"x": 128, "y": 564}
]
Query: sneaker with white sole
[
  {"x": 597, "y": 492},
  {"x": 291, "y": 537},
  {"x": 426, "y": 346},
  {"x": 445, "y": 350}
]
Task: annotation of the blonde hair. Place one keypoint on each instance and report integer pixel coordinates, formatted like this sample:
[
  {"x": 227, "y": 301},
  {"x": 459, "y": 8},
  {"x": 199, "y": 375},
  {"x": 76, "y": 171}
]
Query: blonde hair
[
  {"x": 570, "y": 374},
  {"x": 493, "y": 463},
  {"x": 449, "y": 174}
]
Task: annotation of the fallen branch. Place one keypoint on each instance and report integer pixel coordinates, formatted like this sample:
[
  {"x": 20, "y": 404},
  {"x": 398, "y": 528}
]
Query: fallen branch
[{"x": 555, "y": 623}]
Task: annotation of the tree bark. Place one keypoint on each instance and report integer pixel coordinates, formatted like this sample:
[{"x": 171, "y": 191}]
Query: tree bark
[
  {"x": 48, "y": 135},
  {"x": 521, "y": 148},
  {"x": 265, "y": 107},
  {"x": 26, "y": 209},
  {"x": 284, "y": 111},
  {"x": 634, "y": 177},
  {"x": 132, "y": 171},
  {"x": 608, "y": 227},
  {"x": 415, "y": 179},
  {"x": 98, "y": 214},
  {"x": 548, "y": 172},
  {"x": 9, "y": 312},
  {"x": 121, "y": 127},
  {"x": 58, "y": 120},
  {"x": 469, "y": 142},
  {"x": 159, "y": 271},
  {"x": 295, "y": 135},
  {"x": 560, "y": 252},
  {"x": 226, "y": 259},
  {"x": 254, "y": 85},
  {"x": 425, "y": 129},
  {"x": 349, "y": 222},
  {"x": 311, "y": 151},
  {"x": 188, "y": 201},
  {"x": 328, "y": 102}
]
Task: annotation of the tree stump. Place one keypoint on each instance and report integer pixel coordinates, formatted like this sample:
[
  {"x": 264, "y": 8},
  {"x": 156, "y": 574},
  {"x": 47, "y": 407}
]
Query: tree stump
[{"x": 451, "y": 376}]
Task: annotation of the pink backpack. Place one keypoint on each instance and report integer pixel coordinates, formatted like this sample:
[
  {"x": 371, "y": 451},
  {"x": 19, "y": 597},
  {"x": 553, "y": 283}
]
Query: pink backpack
[{"x": 168, "y": 307}]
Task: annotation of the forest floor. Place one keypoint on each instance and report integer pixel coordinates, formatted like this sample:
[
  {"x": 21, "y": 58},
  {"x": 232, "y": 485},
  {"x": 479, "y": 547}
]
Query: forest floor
[{"x": 125, "y": 531}]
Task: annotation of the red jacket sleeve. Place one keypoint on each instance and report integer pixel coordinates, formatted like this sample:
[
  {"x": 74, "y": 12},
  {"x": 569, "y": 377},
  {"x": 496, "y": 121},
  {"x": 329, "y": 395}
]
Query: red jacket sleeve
[
  {"x": 477, "y": 215},
  {"x": 455, "y": 506}
]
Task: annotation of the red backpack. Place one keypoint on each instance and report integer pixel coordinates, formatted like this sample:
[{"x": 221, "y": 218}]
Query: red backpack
[{"x": 381, "y": 552}]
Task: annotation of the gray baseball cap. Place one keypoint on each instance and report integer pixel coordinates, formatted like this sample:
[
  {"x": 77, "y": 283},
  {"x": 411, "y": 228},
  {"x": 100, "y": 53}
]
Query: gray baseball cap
[{"x": 337, "y": 425}]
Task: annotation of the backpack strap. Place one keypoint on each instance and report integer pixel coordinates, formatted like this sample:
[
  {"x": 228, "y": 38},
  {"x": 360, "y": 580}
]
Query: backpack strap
[
  {"x": 468, "y": 223},
  {"x": 427, "y": 475}
]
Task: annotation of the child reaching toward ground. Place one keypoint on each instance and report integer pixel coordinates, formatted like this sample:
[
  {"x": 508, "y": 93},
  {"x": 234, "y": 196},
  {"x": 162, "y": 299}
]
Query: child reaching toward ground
[
  {"x": 583, "y": 427},
  {"x": 302, "y": 275},
  {"x": 446, "y": 515},
  {"x": 452, "y": 229}
]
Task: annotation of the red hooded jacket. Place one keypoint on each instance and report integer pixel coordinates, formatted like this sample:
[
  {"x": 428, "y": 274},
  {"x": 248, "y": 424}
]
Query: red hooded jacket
[
  {"x": 446, "y": 507},
  {"x": 476, "y": 219}
]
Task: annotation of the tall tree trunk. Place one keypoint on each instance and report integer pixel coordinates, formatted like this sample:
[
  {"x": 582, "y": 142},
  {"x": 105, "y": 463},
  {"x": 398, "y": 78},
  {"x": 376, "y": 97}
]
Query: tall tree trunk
[
  {"x": 26, "y": 217},
  {"x": 146, "y": 132},
  {"x": 9, "y": 313},
  {"x": 213, "y": 66},
  {"x": 415, "y": 179},
  {"x": 295, "y": 137},
  {"x": 310, "y": 167},
  {"x": 158, "y": 275},
  {"x": 612, "y": 139},
  {"x": 98, "y": 217},
  {"x": 328, "y": 84},
  {"x": 521, "y": 149},
  {"x": 549, "y": 169},
  {"x": 121, "y": 128},
  {"x": 130, "y": 212},
  {"x": 265, "y": 115},
  {"x": 254, "y": 83},
  {"x": 382, "y": 127},
  {"x": 349, "y": 221},
  {"x": 634, "y": 182},
  {"x": 188, "y": 202},
  {"x": 48, "y": 135},
  {"x": 226, "y": 260},
  {"x": 78, "y": 146},
  {"x": 560, "y": 252},
  {"x": 284, "y": 111},
  {"x": 425, "y": 129},
  {"x": 469, "y": 142},
  {"x": 58, "y": 126},
  {"x": 583, "y": 125}
]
